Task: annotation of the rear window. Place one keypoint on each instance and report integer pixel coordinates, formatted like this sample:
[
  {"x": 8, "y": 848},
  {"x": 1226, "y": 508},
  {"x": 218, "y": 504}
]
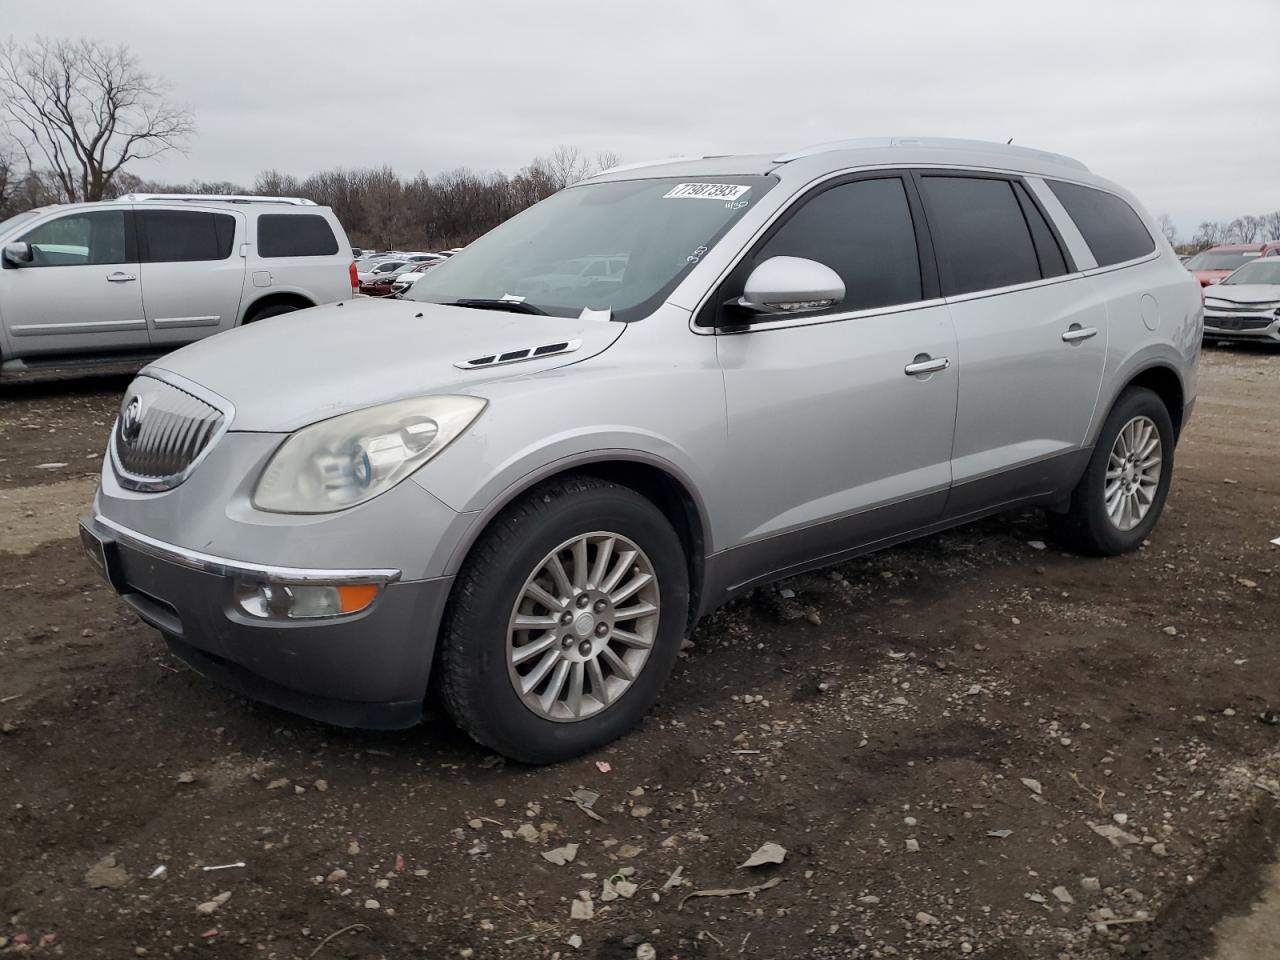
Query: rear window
[
  {"x": 180, "y": 236},
  {"x": 981, "y": 235},
  {"x": 295, "y": 235},
  {"x": 1112, "y": 229}
]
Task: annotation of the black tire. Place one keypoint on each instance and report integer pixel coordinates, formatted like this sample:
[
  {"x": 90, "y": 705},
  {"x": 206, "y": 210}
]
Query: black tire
[
  {"x": 275, "y": 310},
  {"x": 472, "y": 671},
  {"x": 1085, "y": 527}
]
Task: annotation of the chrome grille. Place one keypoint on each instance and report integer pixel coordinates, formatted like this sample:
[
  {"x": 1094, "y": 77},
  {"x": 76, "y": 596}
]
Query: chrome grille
[{"x": 161, "y": 434}]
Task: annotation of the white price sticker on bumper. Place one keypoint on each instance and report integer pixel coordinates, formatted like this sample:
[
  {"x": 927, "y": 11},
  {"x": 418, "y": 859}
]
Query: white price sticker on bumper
[{"x": 706, "y": 191}]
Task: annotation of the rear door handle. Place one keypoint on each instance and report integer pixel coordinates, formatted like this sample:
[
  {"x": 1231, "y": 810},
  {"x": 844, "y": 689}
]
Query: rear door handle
[
  {"x": 1075, "y": 333},
  {"x": 923, "y": 363},
  {"x": 119, "y": 277}
]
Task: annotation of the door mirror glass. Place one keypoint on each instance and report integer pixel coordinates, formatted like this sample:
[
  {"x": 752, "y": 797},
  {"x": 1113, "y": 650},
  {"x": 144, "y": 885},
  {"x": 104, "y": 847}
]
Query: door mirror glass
[
  {"x": 783, "y": 286},
  {"x": 19, "y": 254}
]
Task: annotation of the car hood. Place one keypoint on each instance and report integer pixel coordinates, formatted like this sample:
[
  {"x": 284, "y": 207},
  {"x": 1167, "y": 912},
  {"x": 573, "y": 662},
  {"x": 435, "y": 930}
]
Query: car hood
[
  {"x": 288, "y": 371},
  {"x": 1244, "y": 292}
]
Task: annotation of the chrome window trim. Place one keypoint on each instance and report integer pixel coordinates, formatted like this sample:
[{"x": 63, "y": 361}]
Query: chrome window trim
[
  {"x": 222, "y": 566},
  {"x": 890, "y": 169},
  {"x": 1124, "y": 265},
  {"x": 799, "y": 320},
  {"x": 139, "y": 484}
]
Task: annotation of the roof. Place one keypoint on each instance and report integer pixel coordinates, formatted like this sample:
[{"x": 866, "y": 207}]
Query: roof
[{"x": 869, "y": 151}]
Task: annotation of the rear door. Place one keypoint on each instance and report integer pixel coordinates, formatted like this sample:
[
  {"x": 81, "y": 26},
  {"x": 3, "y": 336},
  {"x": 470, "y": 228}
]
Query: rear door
[
  {"x": 1032, "y": 335},
  {"x": 192, "y": 271},
  {"x": 81, "y": 292},
  {"x": 840, "y": 423}
]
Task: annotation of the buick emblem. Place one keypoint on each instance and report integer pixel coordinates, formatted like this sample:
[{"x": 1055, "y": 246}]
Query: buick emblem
[{"x": 131, "y": 420}]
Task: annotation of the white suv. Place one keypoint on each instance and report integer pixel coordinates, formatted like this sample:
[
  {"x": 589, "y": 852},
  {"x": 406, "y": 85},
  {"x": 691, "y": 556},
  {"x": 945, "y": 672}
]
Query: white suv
[{"x": 92, "y": 283}]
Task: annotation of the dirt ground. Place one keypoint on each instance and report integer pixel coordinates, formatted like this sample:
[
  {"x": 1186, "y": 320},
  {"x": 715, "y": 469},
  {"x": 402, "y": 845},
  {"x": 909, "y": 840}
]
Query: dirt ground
[{"x": 971, "y": 746}]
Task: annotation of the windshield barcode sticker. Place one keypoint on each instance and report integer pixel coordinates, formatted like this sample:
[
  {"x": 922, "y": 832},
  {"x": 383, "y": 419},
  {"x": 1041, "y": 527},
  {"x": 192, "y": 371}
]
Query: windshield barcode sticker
[{"x": 706, "y": 191}]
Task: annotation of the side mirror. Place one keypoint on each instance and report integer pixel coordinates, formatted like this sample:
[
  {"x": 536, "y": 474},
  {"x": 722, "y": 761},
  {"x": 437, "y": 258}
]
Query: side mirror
[
  {"x": 784, "y": 286},
  {"x": 19, "y": 253}
]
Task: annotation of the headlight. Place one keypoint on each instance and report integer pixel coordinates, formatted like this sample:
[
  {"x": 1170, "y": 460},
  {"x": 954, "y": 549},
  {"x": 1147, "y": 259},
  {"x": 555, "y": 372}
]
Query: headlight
[{"x": 341, "y": 462}]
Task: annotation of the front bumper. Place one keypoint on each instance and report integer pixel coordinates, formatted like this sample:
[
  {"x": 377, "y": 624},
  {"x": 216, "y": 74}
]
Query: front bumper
[
  {"x": 1226, "y": 326},
  {"x": 367, "y": 669}
]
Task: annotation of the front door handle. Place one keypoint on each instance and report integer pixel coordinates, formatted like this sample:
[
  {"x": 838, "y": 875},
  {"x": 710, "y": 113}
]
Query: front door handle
[
  {"x": 119, "y": 277},
  {"x": 923, "y": 363},
  {"x": 1076, "y": 333}
]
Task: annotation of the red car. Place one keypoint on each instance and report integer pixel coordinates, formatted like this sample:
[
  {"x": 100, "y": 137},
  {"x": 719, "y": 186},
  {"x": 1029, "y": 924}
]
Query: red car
[{"x": 1218, "y": 263}]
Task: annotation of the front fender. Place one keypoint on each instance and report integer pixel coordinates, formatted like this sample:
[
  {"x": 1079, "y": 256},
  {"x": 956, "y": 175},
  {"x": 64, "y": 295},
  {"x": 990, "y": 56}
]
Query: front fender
[{"x": 675, "y": 423}]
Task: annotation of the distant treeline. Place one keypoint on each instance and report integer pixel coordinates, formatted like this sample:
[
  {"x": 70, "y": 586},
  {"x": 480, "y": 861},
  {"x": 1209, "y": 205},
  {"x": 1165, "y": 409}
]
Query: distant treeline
[{"x": 377, "y": 207}]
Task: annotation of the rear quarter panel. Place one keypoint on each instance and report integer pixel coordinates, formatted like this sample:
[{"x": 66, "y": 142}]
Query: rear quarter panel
[{"x": 1155, "y": 318}]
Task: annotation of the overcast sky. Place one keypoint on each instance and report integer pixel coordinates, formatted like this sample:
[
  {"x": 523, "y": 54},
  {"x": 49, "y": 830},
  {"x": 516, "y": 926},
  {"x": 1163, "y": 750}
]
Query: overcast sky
[{"x": 1176, "y": 100}]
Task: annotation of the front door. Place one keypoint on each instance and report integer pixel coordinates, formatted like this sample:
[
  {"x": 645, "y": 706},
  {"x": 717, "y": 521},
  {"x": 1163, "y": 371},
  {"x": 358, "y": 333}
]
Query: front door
[
  {"x": 81, "y": 292},
  {"x": 840, "y": 424},
  {"x": 192, "y": 272}
]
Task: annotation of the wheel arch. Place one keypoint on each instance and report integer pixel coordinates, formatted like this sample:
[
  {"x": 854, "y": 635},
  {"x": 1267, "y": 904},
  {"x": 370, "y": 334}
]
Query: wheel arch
[
  {"x": 659, "y": 481},
  {"x": 1162, "y": 380},
  {"x": 279, "y": 298},
  {"x": 1159, "y": 376}
]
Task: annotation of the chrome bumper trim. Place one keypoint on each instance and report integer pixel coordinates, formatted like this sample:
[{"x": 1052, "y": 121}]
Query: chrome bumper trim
[{"x": 222, "y": 566}]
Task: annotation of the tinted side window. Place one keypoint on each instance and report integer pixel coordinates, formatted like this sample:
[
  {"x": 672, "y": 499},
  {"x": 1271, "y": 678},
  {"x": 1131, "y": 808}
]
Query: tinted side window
[
  {"x": 1052, "y": 261},
  {"x": 80, "y": 239},
  {"x": 1111, "y": 228},
  {"x": 181, "y": 236},
  {"x": 864, "y": 232},
  {"x": 295, "y": 235},
  {"x": 980, "y": 234}
]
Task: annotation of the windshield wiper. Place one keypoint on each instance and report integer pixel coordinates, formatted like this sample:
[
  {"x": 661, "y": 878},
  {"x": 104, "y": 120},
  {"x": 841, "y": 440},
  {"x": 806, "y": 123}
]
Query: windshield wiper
[{"x": 511, "y": 306}]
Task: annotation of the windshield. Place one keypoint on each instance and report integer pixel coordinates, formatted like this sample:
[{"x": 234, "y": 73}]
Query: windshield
[
  {"x": 17, "y": 218},
  {"x": 620, "y": 246},
  {"x": 1221, "y": 259},
  {"x": 1260, "y": 271}
]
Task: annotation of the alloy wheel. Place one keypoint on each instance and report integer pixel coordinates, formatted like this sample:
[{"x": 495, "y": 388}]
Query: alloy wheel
[
  {"x": 1133, "y": 473},
  {"x": 583, "y": 626}
]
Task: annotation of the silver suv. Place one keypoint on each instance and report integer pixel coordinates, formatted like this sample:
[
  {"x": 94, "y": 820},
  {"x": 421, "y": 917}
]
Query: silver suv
[
  {"x": 91, "y": 283},
  {"x": 529, "y": 486}
]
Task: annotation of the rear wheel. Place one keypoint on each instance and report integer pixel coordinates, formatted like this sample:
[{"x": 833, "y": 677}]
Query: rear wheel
[
  {"x": 565, "y": 621},
  {"x": 1117, "y": 502}
]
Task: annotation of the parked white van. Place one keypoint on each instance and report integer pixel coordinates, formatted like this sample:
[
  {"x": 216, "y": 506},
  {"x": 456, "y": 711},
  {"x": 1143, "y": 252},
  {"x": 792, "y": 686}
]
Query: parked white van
[{"x": 127, "y": 279}]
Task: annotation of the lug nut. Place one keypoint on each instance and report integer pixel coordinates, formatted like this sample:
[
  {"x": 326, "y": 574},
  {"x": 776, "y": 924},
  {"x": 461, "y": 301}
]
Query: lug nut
[
  {"x": 566, "y": 642},
  {"x": 601, "y": 629},
  {"x": 600, "y": 605},
  {"x": 566, "y": 618},
  {"x": 583, "y": 600},
  {"x": 584, "y": 648}
]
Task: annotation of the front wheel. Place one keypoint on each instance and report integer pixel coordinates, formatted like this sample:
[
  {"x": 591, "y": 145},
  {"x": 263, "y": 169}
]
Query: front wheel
[
  {"x": 1117, "y": 502},
  {"x": 565, "y": 621}
]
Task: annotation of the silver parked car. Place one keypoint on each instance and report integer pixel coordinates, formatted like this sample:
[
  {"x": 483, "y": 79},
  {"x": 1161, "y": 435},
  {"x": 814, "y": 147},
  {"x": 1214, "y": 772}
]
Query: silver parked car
[
  {"x": 123, "y": 280},
  {"x": 530, "y": 492},
  {"x": 1246, "y": 305}
]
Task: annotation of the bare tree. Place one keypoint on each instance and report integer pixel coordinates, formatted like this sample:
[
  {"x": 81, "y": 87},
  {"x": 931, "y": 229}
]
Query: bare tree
[
  {"x": 1168, "y": 228},
  {"x": 85, "y": 110},
  {"x": 1271, "y": 225}
]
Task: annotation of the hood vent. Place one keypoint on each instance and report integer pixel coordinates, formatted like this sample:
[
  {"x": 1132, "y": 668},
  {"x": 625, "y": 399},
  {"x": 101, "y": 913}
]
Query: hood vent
[{"x": 515, "y": 356}]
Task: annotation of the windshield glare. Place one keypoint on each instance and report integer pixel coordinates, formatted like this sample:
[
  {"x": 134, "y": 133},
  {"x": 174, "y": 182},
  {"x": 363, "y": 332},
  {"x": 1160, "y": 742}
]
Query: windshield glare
[
  {"x": 1221, "y": 259},
  {"x": 620, "y": 246},
  {"x": 1260, "y": 271}
]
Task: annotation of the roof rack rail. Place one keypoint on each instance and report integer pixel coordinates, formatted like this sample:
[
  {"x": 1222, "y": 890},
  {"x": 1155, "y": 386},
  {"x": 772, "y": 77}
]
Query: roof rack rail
[
  {"x": 945, "y": 143},
  {"x": 643, "y": 163},
  {"x": 215, "y": 197}
]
